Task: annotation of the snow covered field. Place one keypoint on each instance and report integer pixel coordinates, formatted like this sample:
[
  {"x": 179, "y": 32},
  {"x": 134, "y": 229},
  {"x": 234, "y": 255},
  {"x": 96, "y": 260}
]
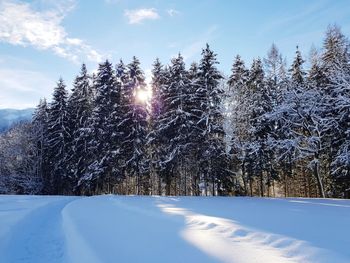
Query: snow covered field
[{"x": 173, "y": 229}]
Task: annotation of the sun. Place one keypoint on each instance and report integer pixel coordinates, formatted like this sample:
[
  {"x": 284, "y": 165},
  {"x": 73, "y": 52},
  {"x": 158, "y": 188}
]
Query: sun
[{"x": 143, "y": 95}]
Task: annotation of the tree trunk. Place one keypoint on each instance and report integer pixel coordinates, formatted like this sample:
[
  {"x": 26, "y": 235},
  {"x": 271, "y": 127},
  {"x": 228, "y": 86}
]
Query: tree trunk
[
  {"x": 244, "y": 179},
  {"x": 185, "y": 182},
  {"x": 168, "y": 183},
  {"x": 318, "y": 178},
  {"x": 285, "y": 185},
  {"x": 159, "y": 185},
  {"x": 205, "y": 184},
  {"x": 261, "y": 184},
  {"x": 251, "y": 186}
]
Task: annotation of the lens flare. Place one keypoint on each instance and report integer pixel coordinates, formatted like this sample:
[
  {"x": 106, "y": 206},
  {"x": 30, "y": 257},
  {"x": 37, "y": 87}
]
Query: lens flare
[{"x": 143, "y": 95}]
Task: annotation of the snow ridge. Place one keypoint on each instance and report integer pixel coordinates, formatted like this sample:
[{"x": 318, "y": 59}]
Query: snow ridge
[
  {"x": 231, "y": 242},
  {"x": 75, "y": 240}
]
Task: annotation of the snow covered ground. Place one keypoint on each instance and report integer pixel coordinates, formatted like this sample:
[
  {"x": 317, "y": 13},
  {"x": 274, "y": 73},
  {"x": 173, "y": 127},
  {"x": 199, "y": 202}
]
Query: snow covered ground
[{"x": 173, "y": 229}]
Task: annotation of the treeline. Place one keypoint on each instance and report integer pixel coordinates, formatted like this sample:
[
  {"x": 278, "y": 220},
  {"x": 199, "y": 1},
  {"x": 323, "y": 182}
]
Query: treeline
[
  {"x": 106, "y": 138},
  {"x": 293, "y": 126},
  {"x": 267, "y": 130}
]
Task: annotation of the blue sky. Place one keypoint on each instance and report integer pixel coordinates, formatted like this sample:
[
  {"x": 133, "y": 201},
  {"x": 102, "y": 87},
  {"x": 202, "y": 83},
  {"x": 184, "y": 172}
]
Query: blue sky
[{"x": 41, "y": 40}]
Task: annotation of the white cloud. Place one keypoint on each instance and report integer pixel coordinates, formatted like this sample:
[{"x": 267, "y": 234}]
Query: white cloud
[
  {"x": 173, "y": 12},
  {"x": 21, "y": 88},
  {"x": 61, "y": 6},
  {"x": 74, "y": 41},
  {"x": 21, "y": 25},
  {"x": 136, "y": 16}
]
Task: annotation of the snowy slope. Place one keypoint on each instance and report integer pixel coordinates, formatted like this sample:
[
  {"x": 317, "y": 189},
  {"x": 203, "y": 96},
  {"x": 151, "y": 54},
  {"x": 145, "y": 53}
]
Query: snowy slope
[
  {"x": 9, "y": 117},
  {"x": 173, "y": 229}
]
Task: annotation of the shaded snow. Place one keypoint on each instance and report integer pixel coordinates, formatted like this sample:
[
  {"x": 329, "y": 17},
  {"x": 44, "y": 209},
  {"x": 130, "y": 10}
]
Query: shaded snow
[{"x": 173, "y": 229}]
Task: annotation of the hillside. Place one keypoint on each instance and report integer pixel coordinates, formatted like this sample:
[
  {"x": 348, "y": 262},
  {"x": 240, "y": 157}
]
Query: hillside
[{"x": 9, "y": 117}]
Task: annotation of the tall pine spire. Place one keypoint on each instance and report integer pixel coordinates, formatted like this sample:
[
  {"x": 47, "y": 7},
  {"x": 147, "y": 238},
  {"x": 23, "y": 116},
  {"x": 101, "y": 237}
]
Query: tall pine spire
[{"x": 58, "y": 130}]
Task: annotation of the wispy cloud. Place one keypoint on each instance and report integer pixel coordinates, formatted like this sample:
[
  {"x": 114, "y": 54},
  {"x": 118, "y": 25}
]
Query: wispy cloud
[
  {"x": 172, "y": 12},
  {"x": 172, "y": 44},
  {"x": 136, "y": 16},
  {"x": 112, "y": 1},
  {"x": 21, "y": 25},
  {"x": 196, "y": 46},
  {"x": 22, "y": 88},
  {"x": 289, "y": 21}
]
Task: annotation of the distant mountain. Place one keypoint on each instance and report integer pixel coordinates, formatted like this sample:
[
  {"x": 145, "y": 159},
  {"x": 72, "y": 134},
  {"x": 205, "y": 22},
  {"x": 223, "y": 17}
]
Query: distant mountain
[{"x": 8, "y": 117}]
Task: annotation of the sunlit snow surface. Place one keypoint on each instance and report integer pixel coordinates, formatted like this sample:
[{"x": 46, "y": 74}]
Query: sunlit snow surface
[{"x": 173, "y": 229}]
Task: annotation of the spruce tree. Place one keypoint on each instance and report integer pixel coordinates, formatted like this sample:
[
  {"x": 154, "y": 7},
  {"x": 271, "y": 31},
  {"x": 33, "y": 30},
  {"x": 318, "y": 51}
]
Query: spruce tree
[
  {"x": 297, "y": 72},
  {"x": 213, "y": 156},
  {"x": 154, "y": 139},
  {"x": 174, "y": 124},
  {"x": 335, "y": 60},
  {"x": 58, "y": 136},
  {"x": 40, "y": 137},
  {"x": 99, "y": 171},
  {"x": 239, "y": 74},
  {"x": 239, "y": 103},
  {"x": 260, "y": 126},
  {"x": 79, "y": 112},
  {"x": 336, "y": 68},
  {"x": 276, "y": 83},
  {"x": 340, "y": 165},
  {"x": 134, "y": 128},
  {"x": 315, "y": 76},
  {"x": 194, "y": 112}
]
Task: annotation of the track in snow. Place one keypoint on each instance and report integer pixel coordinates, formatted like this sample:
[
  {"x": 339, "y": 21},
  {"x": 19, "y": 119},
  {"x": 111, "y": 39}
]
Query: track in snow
[
  {"x": 173, "y": 229},
  {"x": 38, "y": 237}
]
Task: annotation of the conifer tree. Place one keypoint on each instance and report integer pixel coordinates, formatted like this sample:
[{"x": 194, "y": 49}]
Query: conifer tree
[
  {"x": 40, "y": 137},
  {"x": 336, "y": 51},
  {"x": 194, "y": 112},
  {"x": 79, "y": 112},
  {"x": 315, "y": 76},
  {"x": 213, "y": 157},
  {"x": 296, "y": 70},
  {"x": 336, "y": 68},
  {"x": 174, "y": 123},
  {"x": 260, "y": 125},
  {"x": 99, "y": 134},
  {"x": 154, "y": 140},
  {"x": 238, "y": 109},
  {"x": 134, "y": 127},
  {"x": 58, "y": 136},
  {"x": 340, "y": 165},
  {"x": 196, "y": 135}
]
